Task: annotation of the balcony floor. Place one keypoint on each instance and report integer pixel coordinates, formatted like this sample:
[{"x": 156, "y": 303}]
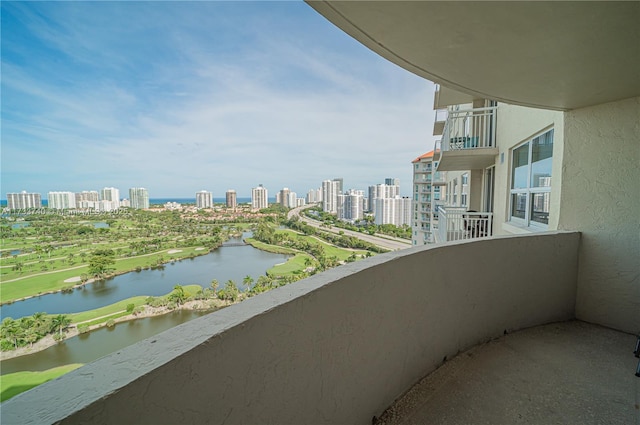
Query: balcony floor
[{"x": 563, "y": 373}]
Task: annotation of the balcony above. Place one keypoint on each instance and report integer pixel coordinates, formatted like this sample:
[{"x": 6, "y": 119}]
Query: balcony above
[
  {"x": 552, "y": 55},
  {"x": 468, "y": 140}
]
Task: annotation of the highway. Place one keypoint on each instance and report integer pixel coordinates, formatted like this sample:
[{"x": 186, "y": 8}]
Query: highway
[{"x": 383, "y": 241}]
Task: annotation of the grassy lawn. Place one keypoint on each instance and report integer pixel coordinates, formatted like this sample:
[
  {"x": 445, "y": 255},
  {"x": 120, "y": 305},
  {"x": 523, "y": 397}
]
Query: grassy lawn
[
  {"x": 271, "y": 248},
  {"x": 12, "y": 384},
  {"x": 55, "y": 280},
  {"x": 329, "y": 249},
  {"x": 118, "y": 307},
  {"x": 293, "y": 265}
]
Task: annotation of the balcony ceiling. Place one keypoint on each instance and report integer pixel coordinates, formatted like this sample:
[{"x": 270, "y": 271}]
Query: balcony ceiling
[
  {"x": 554, "y": 55},
  {"x": 467, "y": 159}
]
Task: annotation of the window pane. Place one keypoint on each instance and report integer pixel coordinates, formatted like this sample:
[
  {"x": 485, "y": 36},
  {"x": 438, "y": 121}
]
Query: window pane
[
  {"x": 540, "y": 207},
  {"x": 541, "y": 152},
  {"x": 520, "y": 162},
  {"x": 518, "y": 205}
]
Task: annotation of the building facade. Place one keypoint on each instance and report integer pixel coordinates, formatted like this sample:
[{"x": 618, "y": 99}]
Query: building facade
[
  {"x": 259, "y": 197},
  {"x": 138, "y": 198},
  {"x": 429, "y": 191},
  {"x": 231, "y": 199},
  {"x": 23, "y": 200},
  {"x": 110, "y": 195},
  {"x": 204, "y": 199},
  {"x": 330, "y": 192},
  {"x": 396, "y": 211},
  {"x": 61, "y": 200}
]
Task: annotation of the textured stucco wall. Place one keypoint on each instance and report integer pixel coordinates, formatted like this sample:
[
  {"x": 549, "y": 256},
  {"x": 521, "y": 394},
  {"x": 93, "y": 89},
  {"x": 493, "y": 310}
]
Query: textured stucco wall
[
  {"x": 515, "y": 125},
  {"x": 336, "y": 348},
  {"x": 601, "y": 199}
]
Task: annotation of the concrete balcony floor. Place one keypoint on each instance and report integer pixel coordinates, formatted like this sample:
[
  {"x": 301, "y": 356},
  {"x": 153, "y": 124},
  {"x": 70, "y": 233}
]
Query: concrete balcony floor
[{"x": 562, "y": 373}]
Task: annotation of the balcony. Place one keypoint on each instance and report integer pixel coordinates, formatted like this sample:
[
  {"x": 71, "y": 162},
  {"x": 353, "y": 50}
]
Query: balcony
[
  {"x": 279, "y": 358},
  {"x": 468, "y": 140},
  {"x": 456, "y": 223}
]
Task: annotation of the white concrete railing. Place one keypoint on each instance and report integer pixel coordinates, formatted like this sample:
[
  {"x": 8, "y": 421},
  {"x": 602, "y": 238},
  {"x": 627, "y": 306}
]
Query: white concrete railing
[
  {"x": 338, "y": 347},
  {"x": 456, "y": 223},
  {"x": 470, "y": 129}
]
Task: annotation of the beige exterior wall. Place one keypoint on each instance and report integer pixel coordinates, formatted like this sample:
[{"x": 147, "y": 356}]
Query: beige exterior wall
[
  {"x": 601, "y": 199},
  {"x": 515, "y": 125},
  {"x": 337, "y": 348}
]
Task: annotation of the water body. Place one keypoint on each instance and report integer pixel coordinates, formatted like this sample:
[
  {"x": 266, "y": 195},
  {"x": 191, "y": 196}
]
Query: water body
[
  {"x": 95, "y": 344},
  {"x": 234, "y": 262}
]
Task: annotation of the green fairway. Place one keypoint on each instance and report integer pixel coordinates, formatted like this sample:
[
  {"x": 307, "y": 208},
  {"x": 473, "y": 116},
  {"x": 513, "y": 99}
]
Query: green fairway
[
  {"x": 44, "y": 282},
  {"x": 15, "y": 383},
  {"x": 120, "y": 306},
  {"x": 329, "y": 249},
  {"x": 294, "y": 265}
]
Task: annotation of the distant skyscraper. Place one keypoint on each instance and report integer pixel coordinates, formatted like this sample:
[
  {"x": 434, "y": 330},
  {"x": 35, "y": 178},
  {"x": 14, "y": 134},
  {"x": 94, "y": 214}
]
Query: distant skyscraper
[
  {"x": 350, "y": 205},
  {"x": 314, "y": 195},
  {"x": 284, "y": 198},
  {"x": 204, "y": 199},
  {"x": 61, "y": 200},
  {"x": 340, "y": 181},
  {"x": 87, "y": 195},
  {"x": 330, "y": 191},
  {"x": 112, "y": 195},
  {"x": 392, "y": 182},
  {"x": 139, "y": 198},
  {"x": 395, "y": 211},
  {"x": 23, "y": 200},
  {"x": 232, "y": 199},
  {"x": 259, "y": 197},
  {"x": 382, "y": 191}
]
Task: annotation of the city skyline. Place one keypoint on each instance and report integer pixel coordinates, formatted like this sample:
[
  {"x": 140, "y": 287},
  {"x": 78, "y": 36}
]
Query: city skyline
[{"x": 176, "y": 96}]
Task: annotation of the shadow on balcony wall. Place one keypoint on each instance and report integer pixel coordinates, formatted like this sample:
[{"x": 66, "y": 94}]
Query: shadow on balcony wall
[{"x": 338, "y": 347}]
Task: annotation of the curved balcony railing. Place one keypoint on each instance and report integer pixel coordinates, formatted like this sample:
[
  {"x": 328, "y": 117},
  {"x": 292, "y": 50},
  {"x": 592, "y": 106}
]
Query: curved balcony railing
[{"x": 338, "y": 347}]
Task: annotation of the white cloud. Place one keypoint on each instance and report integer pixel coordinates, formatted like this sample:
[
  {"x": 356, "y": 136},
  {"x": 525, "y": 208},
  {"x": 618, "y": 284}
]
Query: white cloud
[{"x": 278, "y": 112}]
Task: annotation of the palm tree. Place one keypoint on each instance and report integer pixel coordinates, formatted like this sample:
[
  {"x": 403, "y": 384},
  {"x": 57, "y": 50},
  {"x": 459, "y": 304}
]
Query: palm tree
[
  {"x": 247, "y": 281},
  {"x": 10, "y": 329},
  {"x": 178, "y": 295},
  {"x": 60, "y": 322},
  {"x": 214, "y": 286}
]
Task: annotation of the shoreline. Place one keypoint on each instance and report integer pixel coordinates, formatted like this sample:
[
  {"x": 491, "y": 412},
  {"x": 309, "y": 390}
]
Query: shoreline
[
  {"x": 149, "y": 311},
  {"x": 111, "y": 276}
]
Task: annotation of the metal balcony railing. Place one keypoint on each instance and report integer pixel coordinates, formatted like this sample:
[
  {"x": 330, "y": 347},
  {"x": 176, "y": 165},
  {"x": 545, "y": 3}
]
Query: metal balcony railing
[
  {"x": 456, "y": 223},
  {"x": 469, "y": 129}
]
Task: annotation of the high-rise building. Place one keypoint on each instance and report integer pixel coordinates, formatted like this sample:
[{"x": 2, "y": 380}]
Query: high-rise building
[
  {"x": 204, "y": 199},
  {"x": 88, "y": 199},
  {"x": 61, "y": 200},
  {"x": 350, "y": 205},
  {"x": 112, "y": 195},
  {"x": 283, "y": 198},
  {"x": 314, "y": 195},
  {"x": 330, "y": 191},
  {"x": 429, "y": 192},
  {"x": 382, "y": 191},
  {"x": 259, "y": 197},
  {"x": 392, "y": 181},
  {"x": 23, "y": 200},
  {"x": 139, "y": 198},
  {"x": 396, "y": 211},
  {"x": 231, "y": 198},
  {"x": 340, "y": 181}
]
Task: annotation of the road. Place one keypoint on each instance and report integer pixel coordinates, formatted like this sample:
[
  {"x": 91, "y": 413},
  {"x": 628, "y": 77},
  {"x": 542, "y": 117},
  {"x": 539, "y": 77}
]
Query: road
[{"x": 383, "y": 241}]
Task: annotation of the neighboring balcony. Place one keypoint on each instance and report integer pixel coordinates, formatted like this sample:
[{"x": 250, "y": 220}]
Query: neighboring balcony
[
  {"x": 456, "y": 223},
  {"x": 468, "y": 140}
]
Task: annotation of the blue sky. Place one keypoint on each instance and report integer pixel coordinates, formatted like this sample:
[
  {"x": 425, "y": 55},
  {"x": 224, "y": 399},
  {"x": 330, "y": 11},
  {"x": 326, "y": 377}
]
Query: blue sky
[{"x": 178, "y": 97}]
